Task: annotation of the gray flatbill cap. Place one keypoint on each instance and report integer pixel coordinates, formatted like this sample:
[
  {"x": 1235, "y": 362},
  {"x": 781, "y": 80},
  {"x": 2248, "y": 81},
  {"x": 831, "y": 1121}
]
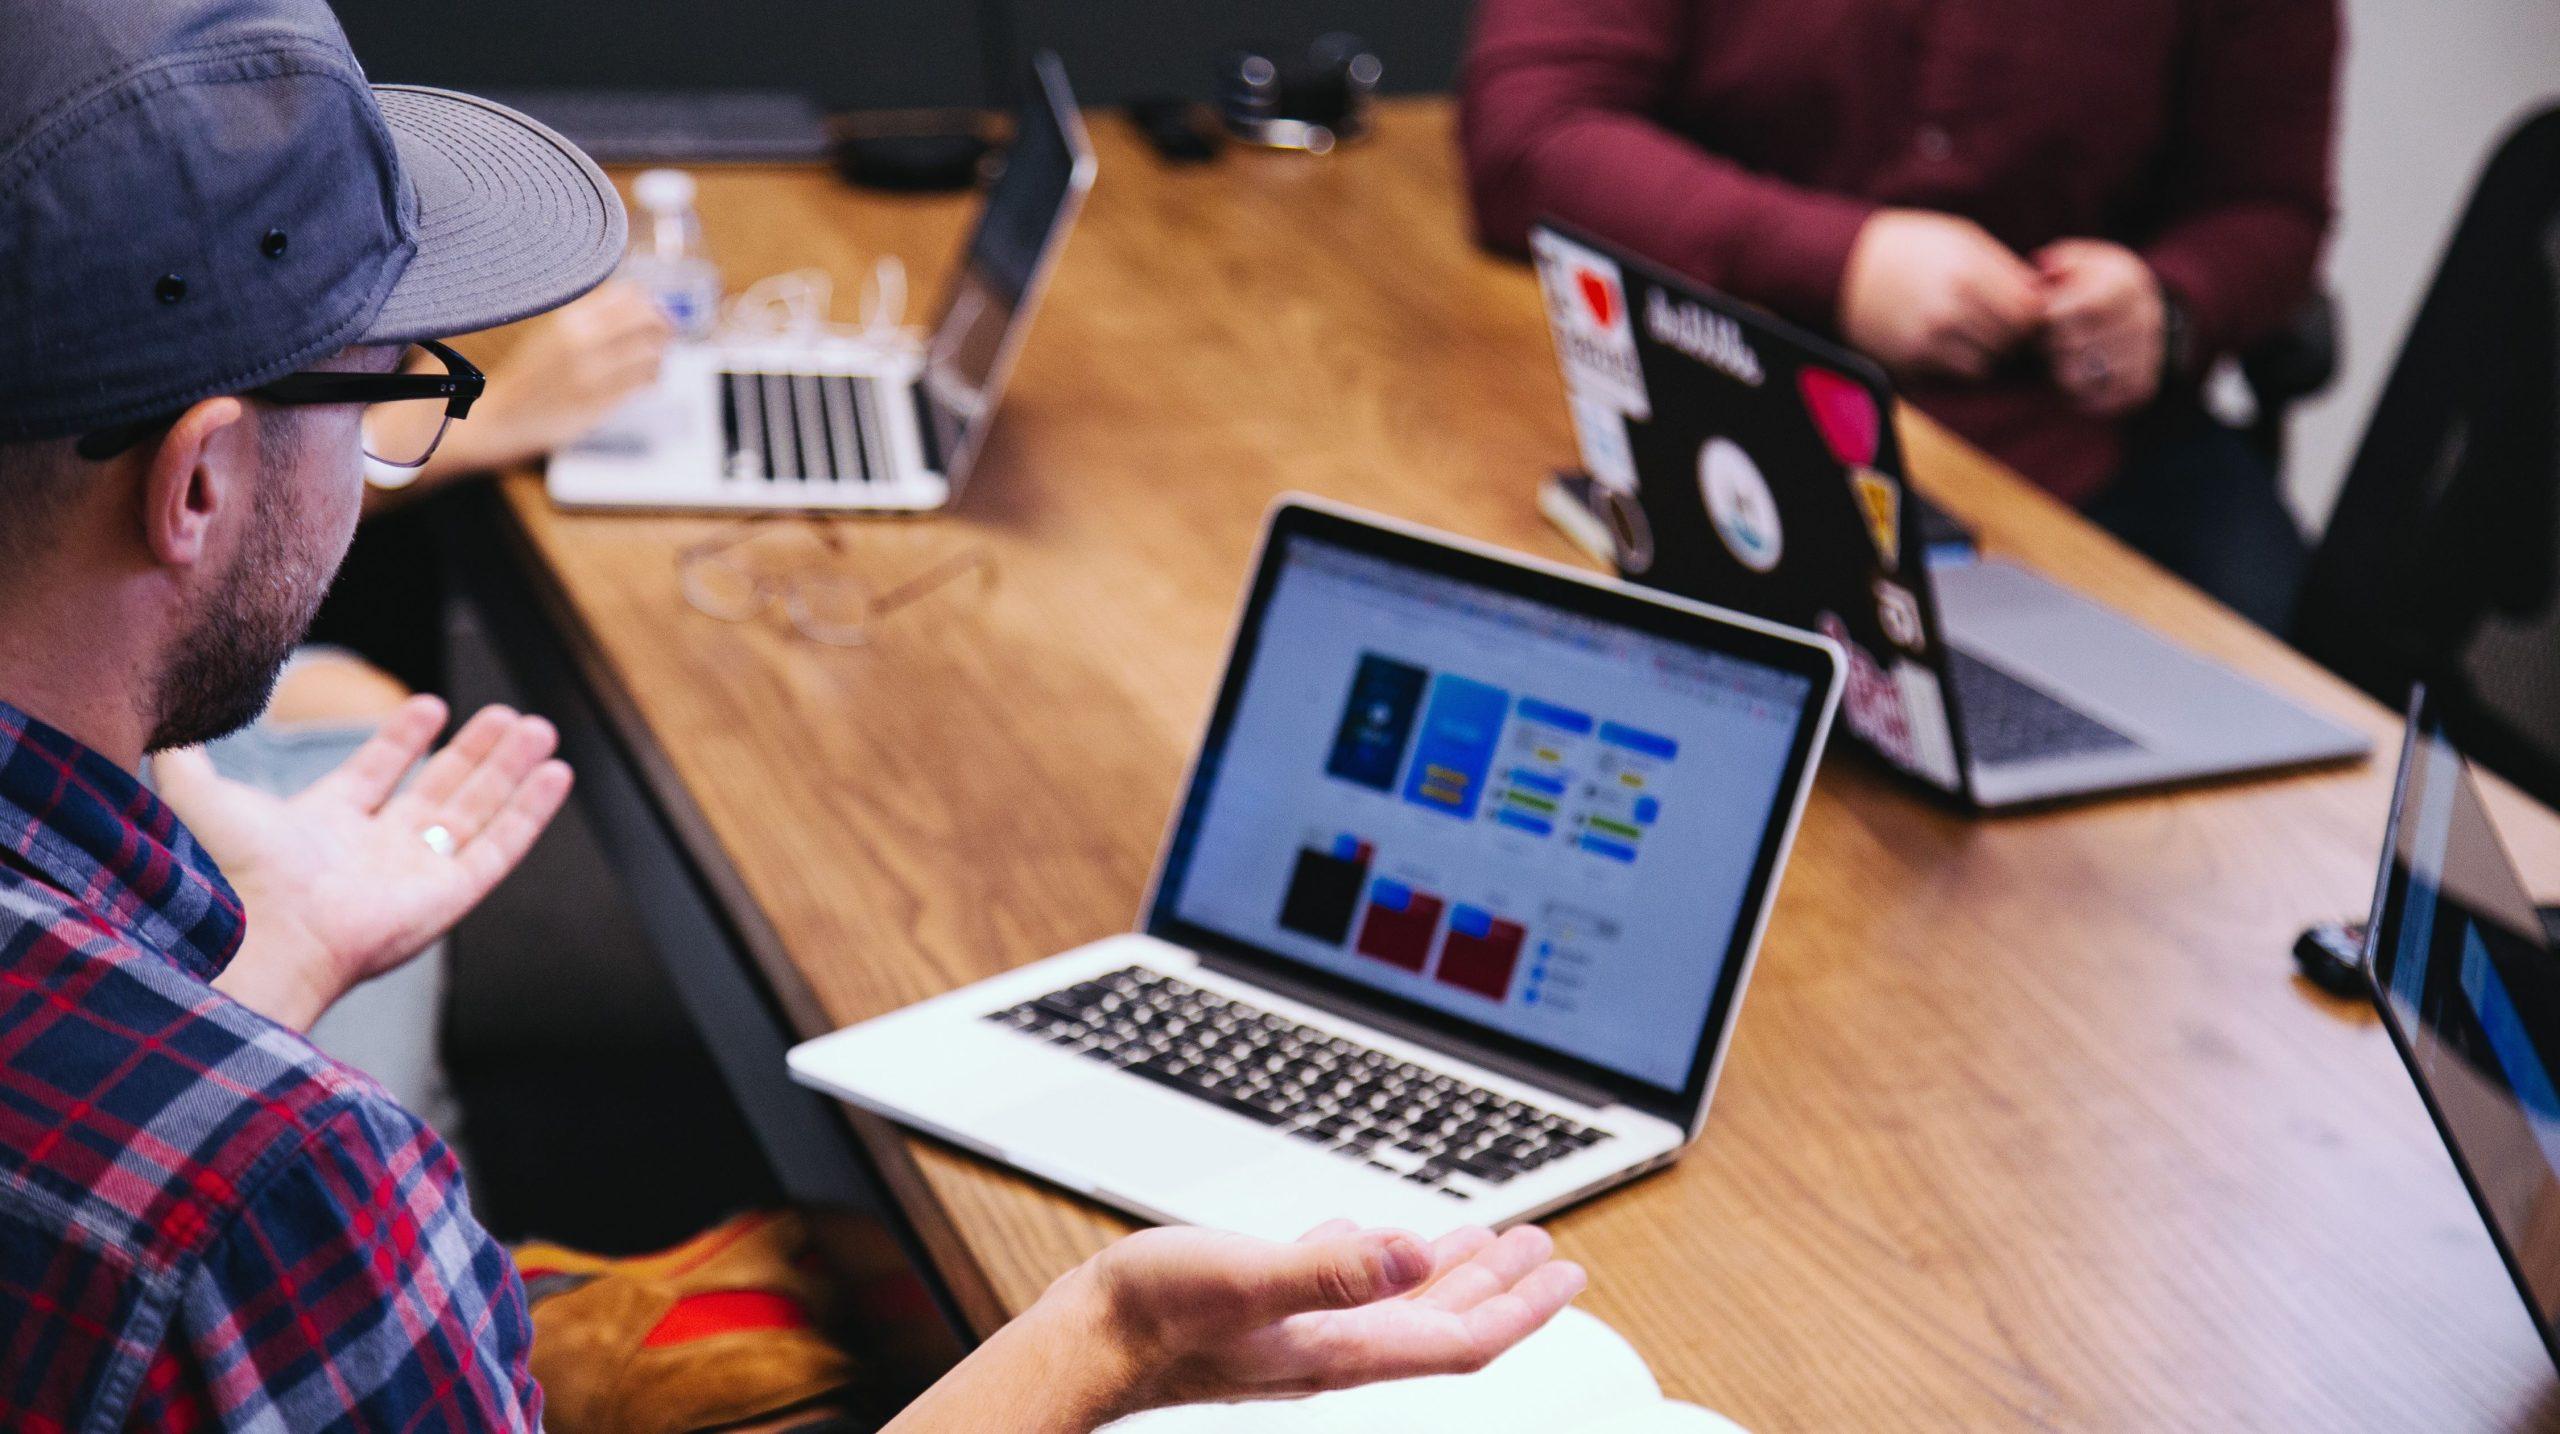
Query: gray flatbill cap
[
  {"x": 199, "y": 196},
  {"x": 512, "y": 219}
]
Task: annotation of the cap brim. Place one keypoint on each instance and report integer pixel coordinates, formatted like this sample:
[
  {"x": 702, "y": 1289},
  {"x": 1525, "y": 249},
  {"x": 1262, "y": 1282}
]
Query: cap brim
[{"x": 512, "y": 219}]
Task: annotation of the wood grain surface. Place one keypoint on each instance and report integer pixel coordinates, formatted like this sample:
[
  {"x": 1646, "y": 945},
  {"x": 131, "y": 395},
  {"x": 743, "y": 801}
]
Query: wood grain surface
[{"x": 2027, "y": 1123}]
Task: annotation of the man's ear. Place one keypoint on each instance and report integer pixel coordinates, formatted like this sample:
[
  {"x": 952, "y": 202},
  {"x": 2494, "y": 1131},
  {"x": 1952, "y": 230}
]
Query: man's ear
[{"x": 202, "y": 467}]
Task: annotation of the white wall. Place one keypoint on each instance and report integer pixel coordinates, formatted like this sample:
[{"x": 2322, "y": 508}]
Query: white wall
[{"x": 2430, "y": 87}]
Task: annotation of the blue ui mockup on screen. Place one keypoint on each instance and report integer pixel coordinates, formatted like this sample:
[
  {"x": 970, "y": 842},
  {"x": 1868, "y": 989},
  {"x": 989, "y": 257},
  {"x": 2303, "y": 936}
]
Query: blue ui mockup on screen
[{"x": 1541, "y": 823}]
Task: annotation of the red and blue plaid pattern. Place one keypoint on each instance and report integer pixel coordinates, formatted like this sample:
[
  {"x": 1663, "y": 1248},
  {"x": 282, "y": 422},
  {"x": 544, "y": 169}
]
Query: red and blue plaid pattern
[{"x": 204, "y": 1222}]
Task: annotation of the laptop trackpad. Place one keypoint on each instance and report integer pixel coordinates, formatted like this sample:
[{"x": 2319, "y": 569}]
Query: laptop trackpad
[{"x": 1146, "y": 1137}]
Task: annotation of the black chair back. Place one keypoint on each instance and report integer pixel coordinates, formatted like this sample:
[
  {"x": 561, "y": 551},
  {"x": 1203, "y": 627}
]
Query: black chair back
[{"x": 2439, "y": 563}]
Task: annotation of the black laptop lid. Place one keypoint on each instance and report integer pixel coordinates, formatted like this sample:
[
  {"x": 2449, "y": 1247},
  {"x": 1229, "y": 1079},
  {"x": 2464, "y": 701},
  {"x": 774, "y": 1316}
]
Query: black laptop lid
[
  {"x": 2466, "y": 980},
  {"x": 1765, "y": 473}
]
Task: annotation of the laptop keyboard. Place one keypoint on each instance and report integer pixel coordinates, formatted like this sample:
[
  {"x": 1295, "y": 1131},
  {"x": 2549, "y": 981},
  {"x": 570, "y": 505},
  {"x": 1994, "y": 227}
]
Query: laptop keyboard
[
  {"x": 1407, "y": 1120},
  {"x": 819, "y": 428},
  {"x": 2005, "y": 720}
]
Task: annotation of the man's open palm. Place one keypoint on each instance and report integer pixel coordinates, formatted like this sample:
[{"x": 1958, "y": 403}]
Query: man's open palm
[
  {"x": 1224, "y": 1317},
  {"x": 359, "y": 873}
]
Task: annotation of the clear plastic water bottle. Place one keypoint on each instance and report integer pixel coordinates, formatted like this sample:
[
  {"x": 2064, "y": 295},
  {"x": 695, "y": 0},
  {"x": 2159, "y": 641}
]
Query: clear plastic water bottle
[{"x": 667, "y": 256}]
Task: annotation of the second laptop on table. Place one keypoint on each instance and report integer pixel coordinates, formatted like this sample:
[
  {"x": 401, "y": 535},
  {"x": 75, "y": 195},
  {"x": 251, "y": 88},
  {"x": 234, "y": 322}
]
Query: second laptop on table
[
  {"x": 1450, "y": 927},
  {"x": 1739, "y": 461}
]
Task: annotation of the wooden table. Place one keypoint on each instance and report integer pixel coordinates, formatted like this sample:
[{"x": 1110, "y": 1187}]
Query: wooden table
[{"x": 2026, "y": 1124}]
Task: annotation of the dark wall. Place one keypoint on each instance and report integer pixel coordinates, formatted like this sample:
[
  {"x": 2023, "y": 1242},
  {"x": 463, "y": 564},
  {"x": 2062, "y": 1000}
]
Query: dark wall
[
  {"x": 1119, "y": 48},
  {"x": 871, "y": 54}
]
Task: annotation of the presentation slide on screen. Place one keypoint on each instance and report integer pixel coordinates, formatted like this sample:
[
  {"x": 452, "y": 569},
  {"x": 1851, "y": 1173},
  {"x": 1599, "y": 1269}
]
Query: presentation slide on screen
[{"x": 1539, "y": 822}]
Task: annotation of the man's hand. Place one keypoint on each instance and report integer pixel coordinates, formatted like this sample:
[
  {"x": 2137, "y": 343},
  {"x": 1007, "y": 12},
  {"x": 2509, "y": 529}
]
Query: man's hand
[
  {"x": 2105, "y": 325},
  {"x": 1205, "y": 1316},
  {"x": 1187, "y": 1316},
  {"x": 341, "y": 882},
  {"x": 1932, "y": 293}
]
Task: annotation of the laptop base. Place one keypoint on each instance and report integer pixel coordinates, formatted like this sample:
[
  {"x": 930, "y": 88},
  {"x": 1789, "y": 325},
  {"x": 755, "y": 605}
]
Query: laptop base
[
  {"x": 831, "y": 426},
  {"x": 2186, "y": 719},
  {"x": 1161, "y": 1156}
]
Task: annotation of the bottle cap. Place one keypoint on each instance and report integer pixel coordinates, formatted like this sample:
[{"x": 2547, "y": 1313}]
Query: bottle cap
[{"x": 663, "y": 189}]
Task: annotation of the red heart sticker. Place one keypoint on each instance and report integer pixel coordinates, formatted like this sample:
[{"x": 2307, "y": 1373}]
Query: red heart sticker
[
  {"x": 1844, "y": 411},
  {"x": 1597, "y": 296}
]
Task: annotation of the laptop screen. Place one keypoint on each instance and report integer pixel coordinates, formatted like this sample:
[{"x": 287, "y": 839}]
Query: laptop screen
[
  {"x": 2471, "y": 990},
  {"x": 1545, "y": 823},
  {"x": 1046, "y": 169}
]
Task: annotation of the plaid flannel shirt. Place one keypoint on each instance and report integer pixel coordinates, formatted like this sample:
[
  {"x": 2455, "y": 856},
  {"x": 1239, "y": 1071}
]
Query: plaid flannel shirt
[{"x": 204, "y": 1222}]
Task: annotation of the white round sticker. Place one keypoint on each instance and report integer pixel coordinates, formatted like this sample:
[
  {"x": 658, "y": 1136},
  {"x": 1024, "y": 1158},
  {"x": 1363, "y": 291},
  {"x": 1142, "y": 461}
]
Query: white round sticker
[{"x": 1739, "y": 502}]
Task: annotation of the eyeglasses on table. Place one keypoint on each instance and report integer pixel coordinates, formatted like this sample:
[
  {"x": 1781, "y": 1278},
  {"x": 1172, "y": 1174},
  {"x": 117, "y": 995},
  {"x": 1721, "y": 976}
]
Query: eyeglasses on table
[{"x": 725, "y": 576}]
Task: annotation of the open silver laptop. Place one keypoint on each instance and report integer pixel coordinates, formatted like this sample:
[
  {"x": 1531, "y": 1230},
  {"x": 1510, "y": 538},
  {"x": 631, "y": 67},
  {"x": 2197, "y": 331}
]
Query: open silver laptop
[
  {"x": 1450, "y": 927},
  {"x": 844, "y": 422},
  {"x": 1737, "y": 460}
]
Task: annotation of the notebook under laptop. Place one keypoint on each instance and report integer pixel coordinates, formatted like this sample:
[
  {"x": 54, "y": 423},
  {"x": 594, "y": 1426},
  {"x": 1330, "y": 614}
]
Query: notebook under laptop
[
  {"x": 1745, "y": 463},
  {"x": 843, "y": 422},
  {"x": 1450, "y": 927}
]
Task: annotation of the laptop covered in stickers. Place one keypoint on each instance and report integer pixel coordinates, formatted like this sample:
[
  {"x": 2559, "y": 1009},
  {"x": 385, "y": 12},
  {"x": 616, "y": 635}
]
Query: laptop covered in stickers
[{"x": 1737, "y": 460}]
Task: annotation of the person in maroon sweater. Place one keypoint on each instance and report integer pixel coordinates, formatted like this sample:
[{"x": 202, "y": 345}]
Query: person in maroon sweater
[{"x": 2046, "y": 220}]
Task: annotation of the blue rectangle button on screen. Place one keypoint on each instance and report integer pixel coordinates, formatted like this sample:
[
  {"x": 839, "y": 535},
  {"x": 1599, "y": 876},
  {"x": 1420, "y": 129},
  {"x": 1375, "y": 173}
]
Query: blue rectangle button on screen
[{"x": 1455, "y": 748}]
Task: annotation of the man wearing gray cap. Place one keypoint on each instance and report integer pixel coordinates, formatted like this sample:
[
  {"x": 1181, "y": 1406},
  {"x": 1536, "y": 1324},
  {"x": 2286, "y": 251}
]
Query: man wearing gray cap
[{"x": 218, "y": 243}]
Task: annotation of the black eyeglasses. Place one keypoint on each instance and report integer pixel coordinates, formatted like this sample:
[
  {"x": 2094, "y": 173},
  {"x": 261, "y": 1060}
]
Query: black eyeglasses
[{"x": 398, "y": 440}]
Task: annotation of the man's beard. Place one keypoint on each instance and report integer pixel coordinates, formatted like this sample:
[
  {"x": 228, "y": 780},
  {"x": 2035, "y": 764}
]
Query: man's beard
[{"x": 221, "y": 675}]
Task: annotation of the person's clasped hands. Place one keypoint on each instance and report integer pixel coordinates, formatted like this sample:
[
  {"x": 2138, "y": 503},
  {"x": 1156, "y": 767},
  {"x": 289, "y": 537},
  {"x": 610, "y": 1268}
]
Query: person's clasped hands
[{"x": 1933, "y": 294}]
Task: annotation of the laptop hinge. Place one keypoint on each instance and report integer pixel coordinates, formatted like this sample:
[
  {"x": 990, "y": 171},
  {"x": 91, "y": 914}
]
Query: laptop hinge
[{"x": 1499, "y": 1062}]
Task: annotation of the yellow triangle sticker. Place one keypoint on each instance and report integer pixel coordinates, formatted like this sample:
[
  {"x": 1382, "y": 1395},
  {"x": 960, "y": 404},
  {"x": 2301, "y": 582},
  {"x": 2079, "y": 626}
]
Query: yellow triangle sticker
[{"x": 1880, "y": 503}]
